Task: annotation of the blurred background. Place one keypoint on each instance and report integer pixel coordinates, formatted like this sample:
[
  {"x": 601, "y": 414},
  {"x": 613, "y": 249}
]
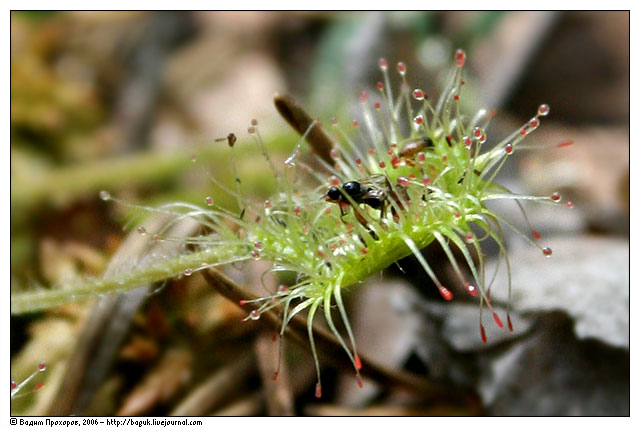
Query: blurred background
[{"x": 123, "y": 101}]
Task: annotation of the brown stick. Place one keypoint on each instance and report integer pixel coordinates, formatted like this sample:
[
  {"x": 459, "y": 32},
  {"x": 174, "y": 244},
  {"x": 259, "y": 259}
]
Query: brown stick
[
  {"x": 330, "y": 350},
  {"x": 298, "y": 119}
]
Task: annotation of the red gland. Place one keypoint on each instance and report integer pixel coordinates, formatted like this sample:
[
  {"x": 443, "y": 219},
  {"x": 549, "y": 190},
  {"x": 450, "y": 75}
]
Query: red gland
[
  {"x": 567, "y": 143},
  {"x": 496, "y": 318},
  {"x": 357, "y": 362},
  {"x": 359, "y": 379},
  {"x": 473, "y": 291},
  {"x": 509, "y": 325},
  {"x": 446, "y": 293},
  {"x": 318, "y": 391},
  {"x": 483, "y": 334}
]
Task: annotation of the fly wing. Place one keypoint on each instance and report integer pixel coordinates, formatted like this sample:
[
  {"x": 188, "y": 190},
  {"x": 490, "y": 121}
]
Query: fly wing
[{"x": 376, "y": 182}]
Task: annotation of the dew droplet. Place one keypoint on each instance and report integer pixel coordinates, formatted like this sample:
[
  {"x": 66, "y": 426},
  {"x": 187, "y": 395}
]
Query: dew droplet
[
  {"x": 418, "y": 94},
  {"x": 469, "y": 237},
  {"x": 556, "y": 196},
  {"x": 382, "y": 63},
  {"x": 142, "y": 230},
  {"x": 105, "y": 196},
  {"x": 570, "y": 204},
  {"x": 257, "y": 245},
  {"x": 255, "y": 254},
  {"x": 282, "y": 289},
  {"x": 543, "y": 110},
  {"x": 402, "y": 68},
  {"x": 418, "y": 119},
  {"x": 208, "y": 201},
  {"x": 356, "y": 123},
  {"x": 364, "y": 97},
  {"x": 534, "y": 123},
  {"x": 547, "y": 252},
  {"x": 421, "y": 158},
  {"x": 42, "y": 366},
  {"x": 188, "y": 272},
  {"x": 193, "y": 157},
  {"x": 13, "y": 385},
  {"x": 334, "y": 153},
  {"x": 251, "y": 130},
  {"x": 508, "y": 149},
  {"x": 254, "y": 122},
  {"x": 382, "y": 164},
  {"x": 376, "y": 105},
  {"x": 267, "y": 204},
  {"x": 473, "y": 291},
  {"x": 254, "y": 315},
  {"x": 380, "y": 86}
]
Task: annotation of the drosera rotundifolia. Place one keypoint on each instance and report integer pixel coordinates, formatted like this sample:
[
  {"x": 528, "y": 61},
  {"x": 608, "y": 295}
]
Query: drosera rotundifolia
[{"x": 406, "y": 174}]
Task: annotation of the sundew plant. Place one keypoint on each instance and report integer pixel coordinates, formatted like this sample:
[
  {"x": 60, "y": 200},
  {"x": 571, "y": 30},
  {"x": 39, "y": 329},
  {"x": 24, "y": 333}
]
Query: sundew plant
[{"x": 356, "y": 199}]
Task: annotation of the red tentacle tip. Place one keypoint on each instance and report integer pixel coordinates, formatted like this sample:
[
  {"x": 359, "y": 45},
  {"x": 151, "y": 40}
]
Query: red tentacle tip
[
  {"x": 497, "y": 320},
  {"x": 509, "y": 325},
  {"x": 357, "y": 362},
  {"x": 535, "y": 234},
  {"x": 318, "y": 391},
  {"x": 359, "y": 379},
  {"x": 483, "y": 334},
  {"x": 243, "y": 302},
  {"x": 446, "y": 293},
  {"x": 473, "y": 291},
  {"x": 275, "y": 376}
]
